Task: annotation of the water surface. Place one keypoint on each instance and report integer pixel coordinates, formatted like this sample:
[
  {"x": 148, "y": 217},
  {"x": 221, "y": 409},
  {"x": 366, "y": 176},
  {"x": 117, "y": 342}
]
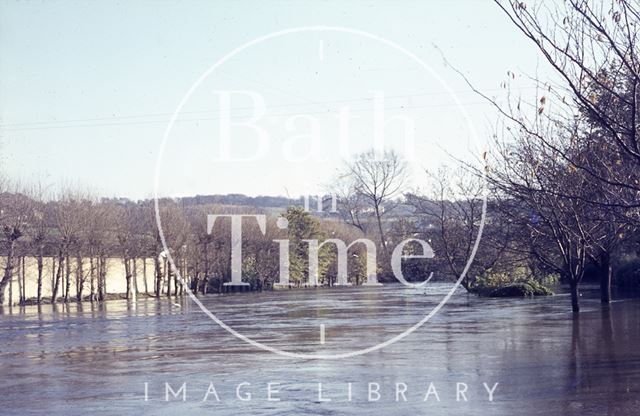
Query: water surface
[{"x": 96, "y": 359}]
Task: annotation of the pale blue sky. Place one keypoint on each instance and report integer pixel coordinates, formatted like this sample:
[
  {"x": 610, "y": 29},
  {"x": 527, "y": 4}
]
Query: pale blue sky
[{"x": 87, "y": 88}]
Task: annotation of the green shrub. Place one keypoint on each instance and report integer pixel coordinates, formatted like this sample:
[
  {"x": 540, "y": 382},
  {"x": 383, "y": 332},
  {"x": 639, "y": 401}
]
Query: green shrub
[
  {"x": 517, "y": 283},
  {"x": 521, "y": 289}
]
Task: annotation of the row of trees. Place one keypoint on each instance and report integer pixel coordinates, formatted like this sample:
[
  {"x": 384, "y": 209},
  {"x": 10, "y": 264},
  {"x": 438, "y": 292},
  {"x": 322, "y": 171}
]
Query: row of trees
[
  {"x": 79, "y": 234},
  {"x": 69, "y": 230}
]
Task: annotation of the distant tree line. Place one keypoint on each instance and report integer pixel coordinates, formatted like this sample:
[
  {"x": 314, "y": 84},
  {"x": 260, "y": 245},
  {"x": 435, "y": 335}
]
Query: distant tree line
[{"x": 74, "y": 227}]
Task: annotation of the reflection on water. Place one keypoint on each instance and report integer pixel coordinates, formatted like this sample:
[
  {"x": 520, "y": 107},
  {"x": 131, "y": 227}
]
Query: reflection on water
[{"x": 96, "y": 358}]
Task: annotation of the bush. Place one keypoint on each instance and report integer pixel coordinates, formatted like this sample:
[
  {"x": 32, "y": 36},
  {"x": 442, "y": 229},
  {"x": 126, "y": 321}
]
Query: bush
[
  {"x": 523, "y": 289},
  {"x": 518, "y": 283}
]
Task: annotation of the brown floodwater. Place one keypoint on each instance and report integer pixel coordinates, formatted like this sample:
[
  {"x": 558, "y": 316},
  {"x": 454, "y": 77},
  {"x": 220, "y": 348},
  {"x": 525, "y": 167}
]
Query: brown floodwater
[{"x": 120, "y": 358}]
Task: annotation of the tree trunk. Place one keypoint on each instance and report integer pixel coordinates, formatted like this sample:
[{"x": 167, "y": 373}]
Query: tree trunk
[
  {"x": 127, "y": 275},
  {"x": 144, "y": 275},
  {"x": 67, "y": 274},
  {"x": 99, "y": 278},
  {"x": 40, "y": 268},
  {"x": 158, "y": 273},
  {"x": 103, "y": 276},
  {"x": 382, "y": 240},
  {"x": 56, "y": 284},
  {"x": 575, "y": 306},
  {"x": 8, "y": 270},
  {"x": 10, "y": 292},
  {"x": 92, "y": 276},
  {"x": 175, "y": 280},
  {"x": 134, "y": 275},
  {"x": 79, "y": 278},
  {"x": 23, "y": 269},
  {"x": 196, "y": 275},
  {"x": 169, "y": 274},
  {"x": 102, "y": 283},
  {"x": 183, "y": 274},
  {"x": 53, "y": 273},
  {"x": 605, "y": 278},
  {"x": 205, "y": 275},
  {"x": 20, "y": 290}
]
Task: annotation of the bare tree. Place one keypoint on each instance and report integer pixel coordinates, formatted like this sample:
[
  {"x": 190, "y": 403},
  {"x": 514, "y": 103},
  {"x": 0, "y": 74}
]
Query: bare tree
[
  {"x": 16, "y": 210},
  {"x": 201, "y": 242},
  {"x": 539, "y": 178},
  {"x": 594, "y": 47},
  {"x": 95, "y": 236},
  {"x": 377, "y": 178},
  {"x": 66, "y": 213},
  {"x": 450, "y": 217},
  {"x": 577, "y": 157},
  {"x": 174, "y": 229},
  {"x": 39, "y": 230},
  {"x": 125, "y": 231}
]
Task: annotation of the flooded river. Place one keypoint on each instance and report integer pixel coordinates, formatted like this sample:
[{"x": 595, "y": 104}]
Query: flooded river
[{"x": 120, "y": 358}]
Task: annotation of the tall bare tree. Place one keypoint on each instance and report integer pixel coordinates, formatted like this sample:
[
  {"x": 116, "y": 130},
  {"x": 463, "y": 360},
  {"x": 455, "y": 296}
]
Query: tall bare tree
[
  {"x": 39, "y": 231},
  {"x": 67, "y": 216},
  {"x": 16, "y": 210},
  {"x": 377, "y": 177}
]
